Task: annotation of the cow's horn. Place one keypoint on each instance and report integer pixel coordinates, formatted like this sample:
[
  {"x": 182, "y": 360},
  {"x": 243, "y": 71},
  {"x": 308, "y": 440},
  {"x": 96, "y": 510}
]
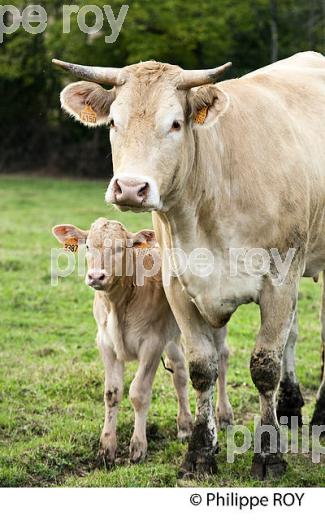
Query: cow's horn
[
  {"x": 106, "y": 75},
  {"x": 195, "y": 78}
]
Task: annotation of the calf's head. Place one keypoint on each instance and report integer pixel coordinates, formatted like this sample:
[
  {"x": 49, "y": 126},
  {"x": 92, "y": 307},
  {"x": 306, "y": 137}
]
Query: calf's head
[
  {"x": 109, "y": 247},
  {"x": 152, "y": 111}
]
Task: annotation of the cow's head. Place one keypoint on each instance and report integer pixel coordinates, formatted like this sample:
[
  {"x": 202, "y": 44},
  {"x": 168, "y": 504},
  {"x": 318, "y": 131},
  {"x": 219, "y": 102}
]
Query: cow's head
[{"x": 151, "y": 111}]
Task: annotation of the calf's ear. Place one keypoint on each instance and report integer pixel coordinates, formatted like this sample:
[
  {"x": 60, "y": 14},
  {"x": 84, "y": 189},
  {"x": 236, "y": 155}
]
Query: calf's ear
[
  {"x": 64, "y": 232},
  {"x": 207, "y": 104},
  {"x": 87, "y": 102},
  {"x": 144, "y": 238}
]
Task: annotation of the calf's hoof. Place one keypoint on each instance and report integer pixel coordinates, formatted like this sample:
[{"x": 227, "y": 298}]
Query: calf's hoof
[
  {"x": 184, "y": 435},
  {"x": 225, "y": 419},
  {"x": 290, "y": 403},
  {"x": 106, "y": 458},
  {"x": 138, "y": 450},
  {"x": 198, "y": 463},
  {"x": 107, "y": 450},
  {"x": 185, "y": 428},
  {"x": 268, "y": 465}
]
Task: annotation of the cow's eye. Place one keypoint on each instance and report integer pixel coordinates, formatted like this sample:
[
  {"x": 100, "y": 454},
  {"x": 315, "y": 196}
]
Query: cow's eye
[
  {"x": 111, "y": 123},
  {"x": 87, "y": 247},
  {"x": 176, "y": 126}
]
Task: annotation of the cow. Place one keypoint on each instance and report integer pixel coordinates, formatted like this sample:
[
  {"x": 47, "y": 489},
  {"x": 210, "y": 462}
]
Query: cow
[
  {"x": 134, "y": 322},
  {"x": 237, "y": 166}
]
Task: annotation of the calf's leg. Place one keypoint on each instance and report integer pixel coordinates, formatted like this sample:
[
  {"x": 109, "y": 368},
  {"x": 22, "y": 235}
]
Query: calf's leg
[
  {"x": 277, "y": 307},
  {"x": 176, "y": 361},
  {"x": 140, "y": 396},
  {"x": 224, "y": 413},
  {"x": 290, "y": 400},
  {"x": 114, "y": 371}
]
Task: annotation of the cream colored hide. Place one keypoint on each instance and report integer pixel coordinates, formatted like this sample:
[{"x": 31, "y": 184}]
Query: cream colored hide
[
  {"x": 240, "y": 164},
  {"x": 133, "y": 323}
]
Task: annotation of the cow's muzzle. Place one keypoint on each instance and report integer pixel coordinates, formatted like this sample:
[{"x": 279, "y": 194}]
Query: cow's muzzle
[
  {"x": 135, "y": 193},
  {"x": 130, "y": 192}
]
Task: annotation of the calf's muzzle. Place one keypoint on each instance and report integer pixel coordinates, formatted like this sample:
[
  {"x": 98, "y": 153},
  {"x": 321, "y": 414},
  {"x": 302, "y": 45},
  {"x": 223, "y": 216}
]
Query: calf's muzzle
[{"x": 96, "y": 279}]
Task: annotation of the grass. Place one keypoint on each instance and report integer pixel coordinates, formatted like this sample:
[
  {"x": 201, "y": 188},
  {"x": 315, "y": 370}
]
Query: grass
[{"x": 51, "y": 376}]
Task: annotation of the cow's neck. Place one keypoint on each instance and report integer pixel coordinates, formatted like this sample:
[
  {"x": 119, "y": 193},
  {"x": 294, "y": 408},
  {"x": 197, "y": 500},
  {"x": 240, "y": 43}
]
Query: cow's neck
[
  {"x": 203, "y": 199},
  {"x": 206, "y": 217}
]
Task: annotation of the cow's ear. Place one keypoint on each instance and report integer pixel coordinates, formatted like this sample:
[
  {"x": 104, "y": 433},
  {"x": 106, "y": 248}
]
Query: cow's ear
[
  {"x": 65, "y": 232},
  {"x": 87, "y": 102},
  {"x": 207, "y": 104},
  {"x": 144, "y": 238}
]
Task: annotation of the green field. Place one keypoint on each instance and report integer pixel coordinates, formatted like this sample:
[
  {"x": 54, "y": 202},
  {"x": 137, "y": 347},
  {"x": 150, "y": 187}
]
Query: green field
[{"x": 51, "y": 376}]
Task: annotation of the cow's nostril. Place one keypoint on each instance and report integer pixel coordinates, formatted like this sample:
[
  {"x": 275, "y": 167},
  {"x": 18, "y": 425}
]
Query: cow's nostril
[
  {"x": 90, "y": 277},
  {"x": 101, "y": 277},
  {"x": 118, "y": 188},
  {"x": 143, "y": 190}
]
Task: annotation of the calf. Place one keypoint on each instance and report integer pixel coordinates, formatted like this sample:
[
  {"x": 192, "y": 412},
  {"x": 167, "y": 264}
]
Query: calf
[{"x": 134, "y": 323}]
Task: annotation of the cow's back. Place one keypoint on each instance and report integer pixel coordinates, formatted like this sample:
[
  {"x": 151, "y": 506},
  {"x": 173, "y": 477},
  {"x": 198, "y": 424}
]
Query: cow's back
[{"x": 296, "y": 64}]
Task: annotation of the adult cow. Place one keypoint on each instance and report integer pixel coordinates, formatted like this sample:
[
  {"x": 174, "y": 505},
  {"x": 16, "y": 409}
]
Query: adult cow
[{"x": 236, "y": 165}]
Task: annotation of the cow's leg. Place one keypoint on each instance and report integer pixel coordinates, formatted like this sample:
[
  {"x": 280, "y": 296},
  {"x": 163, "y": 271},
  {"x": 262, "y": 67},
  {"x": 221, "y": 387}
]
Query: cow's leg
[
  {"x": 176, "y": 361},
  {"x": 319, "y": 412},
  {"x": 203, "y": 364},
  {"x": 114, "y": 372},
  {"x": 140, "y": 396},
  {"x": 277, "y": 306},
  {"x": 290, "y": 400},
  {"x": 224, "y": 411}
]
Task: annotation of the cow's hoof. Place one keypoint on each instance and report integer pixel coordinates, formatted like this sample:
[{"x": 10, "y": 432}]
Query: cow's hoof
[
  {"x": 198, "y": 463},
  {"x": 268, "y": 465},
  {"x": 290, "y": 403},
  {"x": 138, "y": 450},
  {"x": 318, "y": 418}
]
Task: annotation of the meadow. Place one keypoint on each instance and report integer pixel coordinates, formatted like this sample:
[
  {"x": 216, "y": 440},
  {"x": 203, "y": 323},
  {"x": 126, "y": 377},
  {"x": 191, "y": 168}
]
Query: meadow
[{"x": 51, "y": 375}]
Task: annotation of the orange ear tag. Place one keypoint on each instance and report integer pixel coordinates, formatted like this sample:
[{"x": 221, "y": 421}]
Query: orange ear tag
[
  {"x": 88, "y": 115},
  {"x": 201, "y": 116},
  {"x": 143, "y": 245},
  {"x": 71, "y": 244}
]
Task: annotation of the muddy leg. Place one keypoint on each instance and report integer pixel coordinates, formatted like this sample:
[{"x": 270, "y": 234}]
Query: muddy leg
[
  {"x": 224, "y": 412},
  {"x": 203, "y": 363},
  {"x": 290, "y": 400},
  {"x": 200, "y": 458},
  {"x": 140, "y": 396},
  {"x": 319, "y": 412},
  {"x": 112, "y": 396},
  {"x": 176, "y": 361},
  {"x": 277, "y": 307}
]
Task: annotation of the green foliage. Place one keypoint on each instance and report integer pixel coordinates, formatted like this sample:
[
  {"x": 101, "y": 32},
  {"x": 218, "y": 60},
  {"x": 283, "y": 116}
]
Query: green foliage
[{"x": 51, "y": 374}]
